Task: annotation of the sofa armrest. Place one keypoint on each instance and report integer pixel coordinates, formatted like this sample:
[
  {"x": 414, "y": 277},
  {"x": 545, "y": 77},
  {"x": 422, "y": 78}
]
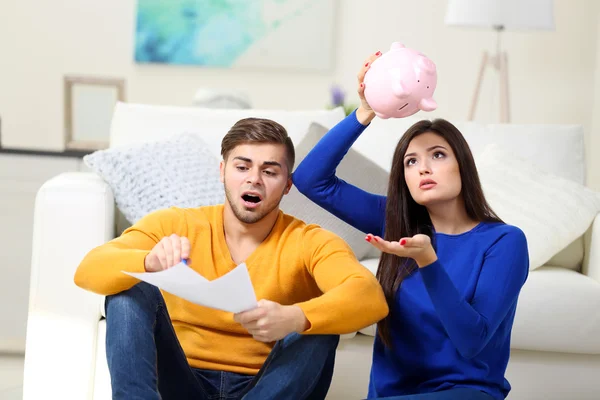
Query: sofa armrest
[
  {"x": 591, "y": 260},
  {"x": 74, "y": 212}
]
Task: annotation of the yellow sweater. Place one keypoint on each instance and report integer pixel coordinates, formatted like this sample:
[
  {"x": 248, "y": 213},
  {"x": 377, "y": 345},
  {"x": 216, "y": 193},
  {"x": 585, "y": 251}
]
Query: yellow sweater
[{"x": 296, "y": 264}]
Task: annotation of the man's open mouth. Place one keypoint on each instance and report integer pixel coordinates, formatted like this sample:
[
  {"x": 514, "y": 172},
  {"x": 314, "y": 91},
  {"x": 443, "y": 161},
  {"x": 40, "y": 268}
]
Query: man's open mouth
[{"x": 250, "y": 198}]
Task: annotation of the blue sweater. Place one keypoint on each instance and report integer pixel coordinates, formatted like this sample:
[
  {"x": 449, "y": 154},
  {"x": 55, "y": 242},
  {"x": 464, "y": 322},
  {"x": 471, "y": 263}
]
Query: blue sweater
[{"x": 451, "y": 320}]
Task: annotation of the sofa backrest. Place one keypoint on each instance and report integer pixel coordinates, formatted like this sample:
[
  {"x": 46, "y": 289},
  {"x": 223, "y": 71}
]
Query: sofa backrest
[
  {"x": 557, "y": 149},
  {"x": 138, "y": 123}
]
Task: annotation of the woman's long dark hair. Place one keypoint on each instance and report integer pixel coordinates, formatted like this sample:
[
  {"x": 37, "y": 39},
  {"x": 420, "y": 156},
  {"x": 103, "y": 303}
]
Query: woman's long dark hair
[{"x": 405, "y": 218}]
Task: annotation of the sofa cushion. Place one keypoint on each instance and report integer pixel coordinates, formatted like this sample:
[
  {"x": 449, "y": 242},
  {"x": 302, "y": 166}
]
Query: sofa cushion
[
  {"x": 570, "y": 257},
  {"x": 354, "y": 168},
  {"x": 145, "y": 177},
  {"x": 552, "y": 211},
  {"x": 558, "y": 311}
]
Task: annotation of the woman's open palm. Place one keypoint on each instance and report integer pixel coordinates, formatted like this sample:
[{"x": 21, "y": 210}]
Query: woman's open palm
[{"x": 417, "y": 247}]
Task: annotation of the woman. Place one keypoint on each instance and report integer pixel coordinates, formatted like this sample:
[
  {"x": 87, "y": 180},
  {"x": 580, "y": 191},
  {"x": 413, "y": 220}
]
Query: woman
[{"x": 450, "y": 268}]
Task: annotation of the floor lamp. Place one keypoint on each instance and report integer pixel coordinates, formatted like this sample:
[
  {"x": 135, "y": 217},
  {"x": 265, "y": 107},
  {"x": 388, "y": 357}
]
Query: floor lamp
[{"x": 499, "y": 15}]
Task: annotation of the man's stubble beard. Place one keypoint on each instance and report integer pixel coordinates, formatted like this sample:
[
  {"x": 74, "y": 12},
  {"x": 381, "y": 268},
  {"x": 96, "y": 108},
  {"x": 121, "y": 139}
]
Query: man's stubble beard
[{"x": 250, "y": 216}]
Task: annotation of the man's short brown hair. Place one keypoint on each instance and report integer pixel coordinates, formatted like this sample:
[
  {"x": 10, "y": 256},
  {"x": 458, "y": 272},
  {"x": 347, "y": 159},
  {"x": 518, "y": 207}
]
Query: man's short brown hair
[{"x": 258, "y": 130}]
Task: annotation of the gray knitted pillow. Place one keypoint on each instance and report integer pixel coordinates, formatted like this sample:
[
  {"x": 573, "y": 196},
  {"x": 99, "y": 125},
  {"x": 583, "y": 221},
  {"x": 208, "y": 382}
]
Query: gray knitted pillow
[{"x": 180, "y": 171}]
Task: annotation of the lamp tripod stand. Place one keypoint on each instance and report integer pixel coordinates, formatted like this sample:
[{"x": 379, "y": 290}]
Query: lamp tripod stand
[{"x": 500, "y": 63}]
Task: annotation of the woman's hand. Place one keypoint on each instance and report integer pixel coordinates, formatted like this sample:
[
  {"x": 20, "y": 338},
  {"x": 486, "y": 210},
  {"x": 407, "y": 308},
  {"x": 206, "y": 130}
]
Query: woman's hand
[
  {"x": 418, "y": 248},
  {"x": 365, "y": 113}
]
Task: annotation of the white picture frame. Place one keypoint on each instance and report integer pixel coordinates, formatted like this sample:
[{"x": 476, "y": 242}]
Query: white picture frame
[{"x": 89, "y": 104}]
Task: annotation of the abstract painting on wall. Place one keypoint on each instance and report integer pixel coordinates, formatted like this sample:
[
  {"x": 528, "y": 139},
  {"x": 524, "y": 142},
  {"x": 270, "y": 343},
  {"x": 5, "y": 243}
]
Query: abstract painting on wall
[{"x": 290, "y": 34}]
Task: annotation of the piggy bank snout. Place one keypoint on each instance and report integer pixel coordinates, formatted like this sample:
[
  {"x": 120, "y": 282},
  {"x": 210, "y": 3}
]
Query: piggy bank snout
[{"x": 400, "y": 90}]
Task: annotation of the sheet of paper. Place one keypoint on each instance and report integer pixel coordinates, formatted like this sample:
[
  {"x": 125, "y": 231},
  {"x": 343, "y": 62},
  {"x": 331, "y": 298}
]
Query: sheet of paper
[{"x": 231, "y": 292}]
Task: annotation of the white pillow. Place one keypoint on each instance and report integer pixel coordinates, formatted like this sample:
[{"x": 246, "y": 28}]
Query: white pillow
[
  {"x": 180, "y": 171},
  {"x": 551, "y": 211}
]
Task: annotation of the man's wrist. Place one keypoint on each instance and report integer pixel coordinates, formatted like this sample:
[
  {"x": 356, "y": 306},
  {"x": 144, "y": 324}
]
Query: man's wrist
[{"x": 301, "y": 323}]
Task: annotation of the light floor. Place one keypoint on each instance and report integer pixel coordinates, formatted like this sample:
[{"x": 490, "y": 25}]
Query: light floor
[{"x": 11, "y": 377}]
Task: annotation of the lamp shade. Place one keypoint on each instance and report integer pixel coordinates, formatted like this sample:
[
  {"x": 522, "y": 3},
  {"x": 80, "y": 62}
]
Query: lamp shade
[{"x": 509, "y": 14}]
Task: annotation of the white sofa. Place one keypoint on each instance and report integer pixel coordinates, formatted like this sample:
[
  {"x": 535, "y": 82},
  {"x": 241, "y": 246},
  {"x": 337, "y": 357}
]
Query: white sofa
[{"x": 556, "y": 336}]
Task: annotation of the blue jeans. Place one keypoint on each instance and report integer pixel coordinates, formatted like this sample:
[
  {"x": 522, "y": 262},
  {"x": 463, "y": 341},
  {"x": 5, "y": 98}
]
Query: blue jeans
[
  {"x": 450, "y": 394},
  {"x": 147, "y": 362}
]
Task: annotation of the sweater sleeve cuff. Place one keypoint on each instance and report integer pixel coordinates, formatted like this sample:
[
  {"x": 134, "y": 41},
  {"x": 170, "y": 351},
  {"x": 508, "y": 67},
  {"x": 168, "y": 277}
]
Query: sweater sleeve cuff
[{"x": 357, "y": 125}]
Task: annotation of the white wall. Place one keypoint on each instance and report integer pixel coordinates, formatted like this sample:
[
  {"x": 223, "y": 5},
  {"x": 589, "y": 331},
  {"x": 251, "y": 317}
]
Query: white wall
[
  {"x": 552, "y": 74},
  {"x": 594, "y": 142}
]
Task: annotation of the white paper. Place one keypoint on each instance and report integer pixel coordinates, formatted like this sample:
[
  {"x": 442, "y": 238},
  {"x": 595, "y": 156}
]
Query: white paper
[{"x": 231, "y": 292}]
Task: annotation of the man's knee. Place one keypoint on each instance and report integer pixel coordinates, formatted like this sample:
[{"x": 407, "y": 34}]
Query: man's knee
[
  {"x": 141, "y": 295},
  {"x": 329, "y": 342},
  {"x": 321, "y": 342}
]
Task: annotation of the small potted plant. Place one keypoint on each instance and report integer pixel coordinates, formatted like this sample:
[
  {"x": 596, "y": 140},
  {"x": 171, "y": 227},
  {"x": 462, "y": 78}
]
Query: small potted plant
[{"x": 338, "y": 99}]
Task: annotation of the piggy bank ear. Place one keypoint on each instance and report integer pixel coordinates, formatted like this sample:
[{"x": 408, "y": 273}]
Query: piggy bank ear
[
  {"x": 397, "y": 46},
  {"x": 427, "y": 104},
  {"x": 426, "y": 65}
]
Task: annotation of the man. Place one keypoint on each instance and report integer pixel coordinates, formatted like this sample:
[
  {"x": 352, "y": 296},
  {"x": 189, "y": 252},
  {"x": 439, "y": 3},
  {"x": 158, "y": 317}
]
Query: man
[{"x": 160, "y": 346}]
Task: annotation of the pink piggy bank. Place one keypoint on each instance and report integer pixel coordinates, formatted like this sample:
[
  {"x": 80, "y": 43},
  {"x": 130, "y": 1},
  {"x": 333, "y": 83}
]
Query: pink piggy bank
[{"x": 401, "y": 82}]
